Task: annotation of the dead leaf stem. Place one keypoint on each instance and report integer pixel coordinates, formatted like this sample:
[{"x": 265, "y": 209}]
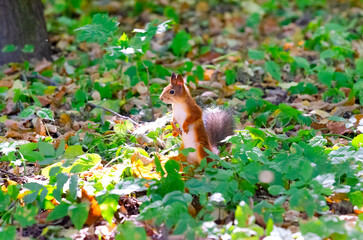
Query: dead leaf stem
[{"x": 113, "y": 112}]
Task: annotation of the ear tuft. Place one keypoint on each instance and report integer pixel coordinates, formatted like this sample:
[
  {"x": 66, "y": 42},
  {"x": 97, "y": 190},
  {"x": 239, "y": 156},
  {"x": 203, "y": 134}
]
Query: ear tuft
[
  {"x": 173, "y": 79},
  {"x": 180, "y": 80}
]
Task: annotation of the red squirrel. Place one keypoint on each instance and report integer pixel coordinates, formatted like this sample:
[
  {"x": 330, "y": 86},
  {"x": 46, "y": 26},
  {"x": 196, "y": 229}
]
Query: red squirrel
[{"x": 198, "y": 130}]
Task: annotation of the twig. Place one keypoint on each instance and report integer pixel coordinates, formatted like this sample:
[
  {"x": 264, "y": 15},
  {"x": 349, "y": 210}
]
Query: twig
[
  {"x": 8, "y": 173},
  {"x": 337, "y": 135},
  {"x": 45, "y": 79},
  {"x": 13, "y": 176},
  {"x": 114, "y": 113}
]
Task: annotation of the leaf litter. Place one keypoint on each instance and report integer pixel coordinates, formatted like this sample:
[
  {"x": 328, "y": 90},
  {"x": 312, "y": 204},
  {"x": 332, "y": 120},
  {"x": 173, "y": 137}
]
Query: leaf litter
[{"x": 211, "y": 44}]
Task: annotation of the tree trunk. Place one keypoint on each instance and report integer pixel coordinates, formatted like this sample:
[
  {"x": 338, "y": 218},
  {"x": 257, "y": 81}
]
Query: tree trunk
[{"x": 22, "y": 23}]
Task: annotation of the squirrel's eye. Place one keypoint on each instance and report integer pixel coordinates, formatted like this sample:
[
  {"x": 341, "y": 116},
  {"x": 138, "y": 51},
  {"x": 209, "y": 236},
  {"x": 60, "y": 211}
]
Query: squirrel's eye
[{"x": 172, "y": 91}]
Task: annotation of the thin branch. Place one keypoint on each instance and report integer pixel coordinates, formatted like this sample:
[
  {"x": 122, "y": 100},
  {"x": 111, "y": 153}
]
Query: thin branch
[
  {"x": 114, "y": 113},
  {"x": 336, "y": 135},
  {"x": 45, "y": 79}
]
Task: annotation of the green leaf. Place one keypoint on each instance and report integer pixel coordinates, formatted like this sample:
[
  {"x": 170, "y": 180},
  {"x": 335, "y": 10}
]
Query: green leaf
[
  {"x": 359, "y": 66},
  {"x": 129, "y": 231},
  {"x": 316, "y": 227},
  {"x": 326, "y": 76},
  {"x": 45, "y": 113},
  {"x": 26, "y": 215},
  {"x": 121, "y": 128},
  {"x": 35, "y": 189},
  {"x": 212, "y": 155},
  {"x": 243, "y": 214},
  {"x": 4, "y": 201},
  {"x": 27, "y": 150},
  {"x": 276, "y": 190},
  {"x": 256, "y": 54},
  {"x": 356, "y": 198},
  {"x": 273, "y": 69},
  {"x": 9, "y": 48},
  {"x": 78, "y": 214},
  {"x": 337, "y": 119},
  {"x": 85, "y": 163},
  {"x": 108, "y": 204},
  {"x": 302, "y": 62},
  {"x": 28, "y": 48},
  {"x": 230, "y": 76},
  {"x": 8, "y": 232},
  {"x": 59, "y": 211},
  {"x": 61, "y": 149},
  {"x": 269, "y": 226},
  {"x": 199, "y": 73},
  {"x": 102, "y": 28},
  {"x": 186, "y": 151},
  {"x": 61, "y": 180},
  {"x": 357, "y": 142},
  {"x": 180, "y": 44},
  {"x": 329, "y": 53},
  {"x": 73, "y": 187},
  {"x": 46, "y": 149},
  {"x": 14, "y": 190},
  {"x": 27, "y": 112},
  {"x": 172, "y": 182},
  {"x": 73, "y": 151},
  {"x": 159, "y": 168},
  {"x": 123, "y": 39}
]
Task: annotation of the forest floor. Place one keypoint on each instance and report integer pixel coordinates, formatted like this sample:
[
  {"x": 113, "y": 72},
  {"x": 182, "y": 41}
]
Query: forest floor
[{"x": 77, "y": 133}]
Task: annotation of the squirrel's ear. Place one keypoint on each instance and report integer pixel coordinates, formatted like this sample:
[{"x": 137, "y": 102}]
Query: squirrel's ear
[
  {"x": 173, "y": 79},
  {"x": 180, "y": 80}
]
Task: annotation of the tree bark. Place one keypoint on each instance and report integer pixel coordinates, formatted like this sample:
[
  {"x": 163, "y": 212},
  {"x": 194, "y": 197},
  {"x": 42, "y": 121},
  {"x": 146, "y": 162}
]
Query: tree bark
[{"x": 22, "y": 23}]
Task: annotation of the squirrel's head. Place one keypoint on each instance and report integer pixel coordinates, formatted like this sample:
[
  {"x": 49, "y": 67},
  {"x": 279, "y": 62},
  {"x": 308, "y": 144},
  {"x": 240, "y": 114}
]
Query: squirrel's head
[{"x": 175, "y": 92}]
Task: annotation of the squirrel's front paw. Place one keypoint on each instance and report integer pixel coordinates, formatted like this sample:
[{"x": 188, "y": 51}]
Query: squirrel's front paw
[
  {"x": 178, "y": 131},
  {"x": 185, "y": 128},
  {"x": 175, "y": 133}
]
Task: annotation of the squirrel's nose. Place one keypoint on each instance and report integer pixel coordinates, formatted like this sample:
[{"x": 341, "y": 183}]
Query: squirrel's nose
[{"x": 161, "y": 98}]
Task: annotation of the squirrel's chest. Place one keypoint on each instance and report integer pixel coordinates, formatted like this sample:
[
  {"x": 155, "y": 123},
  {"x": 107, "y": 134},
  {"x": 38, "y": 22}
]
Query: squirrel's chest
[
  {"x": 189, "y": 139},
  {"x": 179, "y": 113}
]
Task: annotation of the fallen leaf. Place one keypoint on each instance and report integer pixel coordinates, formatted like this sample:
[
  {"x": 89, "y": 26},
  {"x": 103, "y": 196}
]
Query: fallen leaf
[
  {"x": 208, "y": 74},
  {"x": 94, "y": 214},
  {"x": 338, "y": 128},
  {"x": 43, "y": 65},
  {"x": 39, "y": 127}
]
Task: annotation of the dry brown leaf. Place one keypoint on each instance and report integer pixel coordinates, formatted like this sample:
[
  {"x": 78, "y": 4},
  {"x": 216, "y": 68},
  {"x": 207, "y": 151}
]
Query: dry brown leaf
[
  {"x": 44, "y": 100},
  {"x": 320, "y": 113},
  {"x": 338, "y": 128},
  {"x": 141, "y": 88},
  {"x": 59, "y": 95},
  {"x": 15, "y": 125},
  {"x": 42, "y": 217},
  {"x": 208, "y": 57},
  {"x": 202, "y": 7},
  {"x": 64, "y": 137},
  {"x": 269, "y": 26},
  {"x": 94, "y": 214},
  {"x": 288, "y": 46},
  {"x": 43, "y": 65},
  {"x": 65, "y": 119},
  {"x": 6, "y": 83},
  {"x": 10, "y": 107},
  {"x": 39, "y": 127},
  {"x": 318, "y": 126},
  {"x": 215, "y": 25},
  {"x": 208, "y": 74}
]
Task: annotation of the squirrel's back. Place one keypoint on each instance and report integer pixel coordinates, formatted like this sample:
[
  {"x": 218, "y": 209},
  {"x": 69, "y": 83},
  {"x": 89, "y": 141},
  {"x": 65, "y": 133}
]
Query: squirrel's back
[{"x": 219, "y": 124}]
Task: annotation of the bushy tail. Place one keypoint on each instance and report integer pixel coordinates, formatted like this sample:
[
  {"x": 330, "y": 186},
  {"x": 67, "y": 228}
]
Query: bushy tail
[{"x": 219, "y": 124}]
